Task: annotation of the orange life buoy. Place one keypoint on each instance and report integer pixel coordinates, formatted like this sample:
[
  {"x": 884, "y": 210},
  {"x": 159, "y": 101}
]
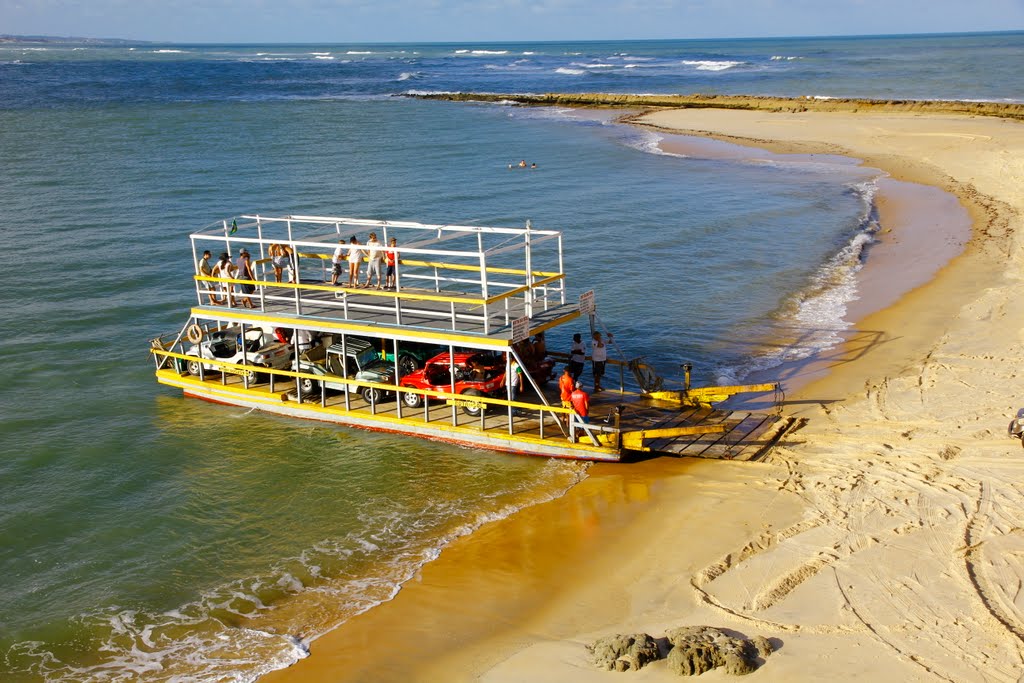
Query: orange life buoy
[{"x": 195, "y": 333}]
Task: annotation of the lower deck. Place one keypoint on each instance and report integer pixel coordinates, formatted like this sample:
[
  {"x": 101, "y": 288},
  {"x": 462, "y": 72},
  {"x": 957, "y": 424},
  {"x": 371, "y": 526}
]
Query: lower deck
[{"x": 623, "y": 425}]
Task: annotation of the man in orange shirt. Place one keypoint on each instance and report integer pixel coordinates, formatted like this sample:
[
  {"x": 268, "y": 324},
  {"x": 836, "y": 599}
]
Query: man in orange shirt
[
  {"x": 565, "y": 387},
  {"x": 581, "y": 403}
]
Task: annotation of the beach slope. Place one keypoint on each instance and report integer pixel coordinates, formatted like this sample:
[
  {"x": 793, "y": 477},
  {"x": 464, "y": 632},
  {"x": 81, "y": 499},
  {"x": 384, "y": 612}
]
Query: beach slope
[{"x": 881, "y": 541}]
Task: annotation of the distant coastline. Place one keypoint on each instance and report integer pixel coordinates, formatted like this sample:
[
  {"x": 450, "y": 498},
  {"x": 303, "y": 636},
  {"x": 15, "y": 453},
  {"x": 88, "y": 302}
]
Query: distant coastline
[
  {"x": 73, "y": 40},
  {"x": 742, "y": 102}
]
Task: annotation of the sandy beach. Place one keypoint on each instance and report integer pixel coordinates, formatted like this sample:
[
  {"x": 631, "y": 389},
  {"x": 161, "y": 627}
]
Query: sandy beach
[{"x": 881, "y": 541}]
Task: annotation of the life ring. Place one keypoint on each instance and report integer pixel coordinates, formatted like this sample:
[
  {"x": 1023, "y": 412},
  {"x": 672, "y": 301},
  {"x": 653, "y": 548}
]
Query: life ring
[{"x": 195, "y": 333}]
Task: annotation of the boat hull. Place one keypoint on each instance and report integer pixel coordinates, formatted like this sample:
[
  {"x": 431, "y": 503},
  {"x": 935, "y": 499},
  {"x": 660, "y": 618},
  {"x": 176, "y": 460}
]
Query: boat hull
[{"x": 278, "y": 403}]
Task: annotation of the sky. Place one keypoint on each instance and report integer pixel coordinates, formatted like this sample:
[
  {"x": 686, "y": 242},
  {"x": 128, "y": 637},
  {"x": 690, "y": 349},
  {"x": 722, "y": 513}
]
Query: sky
[{"x": 368, "y": 21}]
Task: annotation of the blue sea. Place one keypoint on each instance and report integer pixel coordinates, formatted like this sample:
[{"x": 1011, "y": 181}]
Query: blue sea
[{"x": 144, "y": 536}]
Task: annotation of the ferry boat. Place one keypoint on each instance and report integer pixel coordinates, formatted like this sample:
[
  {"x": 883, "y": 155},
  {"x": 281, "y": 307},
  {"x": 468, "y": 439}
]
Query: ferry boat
[{"x": 429, "y": 356}]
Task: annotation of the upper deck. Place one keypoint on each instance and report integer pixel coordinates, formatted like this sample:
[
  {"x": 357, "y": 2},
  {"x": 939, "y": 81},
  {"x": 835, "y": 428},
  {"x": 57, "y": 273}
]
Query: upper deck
[{"x": 471, "y": 285}]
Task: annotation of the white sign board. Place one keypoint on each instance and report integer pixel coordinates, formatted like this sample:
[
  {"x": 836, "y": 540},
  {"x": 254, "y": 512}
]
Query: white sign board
[
  {"x": 520, "y": 329},
  {"x": 587, "y": 303}
]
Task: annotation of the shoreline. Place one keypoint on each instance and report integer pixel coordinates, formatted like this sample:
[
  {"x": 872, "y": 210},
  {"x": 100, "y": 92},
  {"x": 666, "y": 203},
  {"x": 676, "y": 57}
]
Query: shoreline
[{"x": 887, "y": 522}]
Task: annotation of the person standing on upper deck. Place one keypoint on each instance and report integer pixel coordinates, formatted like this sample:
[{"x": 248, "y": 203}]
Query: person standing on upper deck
[
  {"x": 355, "y": 260},
  {"x": 391, "y": 258},
  {"x": 280, "y": 257},
  {"x": 598, "y": 357},
  {"x": 577, "y": 356},
  {"x": 224, "y": 269},
  {"x": 244, "y": 272},
  {"x": 336, "y": 261},
  {"x": 207, "y": 270},
  {"x": 375, "y": 255}
]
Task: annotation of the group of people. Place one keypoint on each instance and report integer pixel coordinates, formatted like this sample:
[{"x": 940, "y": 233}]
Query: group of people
[
  {"x": 522, "y": 164},
  {"x": 569, "y": 385},
  {"x": 282, "y": 257},
  {"x": 375, "y": 255},
  {"x": 598, "y": 357},
  {"x": 241, "y": 269}
]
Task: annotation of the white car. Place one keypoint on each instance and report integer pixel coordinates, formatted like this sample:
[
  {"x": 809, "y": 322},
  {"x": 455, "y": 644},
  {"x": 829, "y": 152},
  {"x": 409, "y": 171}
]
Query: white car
[{"x": 261, "y": 349}]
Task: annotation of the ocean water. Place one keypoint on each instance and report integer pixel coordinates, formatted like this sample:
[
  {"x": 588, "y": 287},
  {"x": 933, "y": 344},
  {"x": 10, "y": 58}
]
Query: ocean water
[{"x": 144, "y": 536}]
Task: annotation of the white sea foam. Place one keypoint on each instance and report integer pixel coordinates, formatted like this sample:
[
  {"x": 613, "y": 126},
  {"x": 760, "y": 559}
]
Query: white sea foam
[
  {"x": 231, "y": 633},
  {"x": 359, "y": 52},
  {"x": 406, "y": 75},
  {"x": 777, "y": 58},
  {"x": 169, "y": 52},
  {"x": 570, "y": 72},
  {"x": 816, "y": 315},
  {"x": 327, "y": 57},
  {"x": 711, "y": 65}
]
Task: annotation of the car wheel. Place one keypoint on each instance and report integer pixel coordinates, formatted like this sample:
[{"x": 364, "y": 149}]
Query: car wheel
[
  {"x": 372, "y": 394},
  {"x": 475, "y": 410},
  {"x": 412, "y": 400},
  {"x": 253, "y": 377},
  {"x": 308, "y": 386},
  {"x": 193, "y": 367},
  {"x": 407, "y": 365}
]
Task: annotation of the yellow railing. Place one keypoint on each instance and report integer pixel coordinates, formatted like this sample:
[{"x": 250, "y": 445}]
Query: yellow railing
[
  {"x": 450, "y": 398},
  {"x": 546, "y": 279}
]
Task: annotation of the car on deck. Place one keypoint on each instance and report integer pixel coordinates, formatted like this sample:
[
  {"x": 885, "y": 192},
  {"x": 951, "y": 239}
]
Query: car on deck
[
  {"x": 361, "y": 362},
  {"x": 477, "y": 373},
  {"x": 411, "y": 355},
  {"x": 260, "y": 349}
]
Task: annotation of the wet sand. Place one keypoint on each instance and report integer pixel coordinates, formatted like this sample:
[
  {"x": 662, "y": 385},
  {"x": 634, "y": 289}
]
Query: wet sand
[{"x": 880, "y": 541}]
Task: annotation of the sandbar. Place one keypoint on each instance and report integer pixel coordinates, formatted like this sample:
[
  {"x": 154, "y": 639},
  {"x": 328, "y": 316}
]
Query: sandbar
[{"x": 880, "y": 541}]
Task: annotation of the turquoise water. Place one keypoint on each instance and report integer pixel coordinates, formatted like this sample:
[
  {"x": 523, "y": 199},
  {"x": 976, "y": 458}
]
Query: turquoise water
[{"x": 143, "y": 535}]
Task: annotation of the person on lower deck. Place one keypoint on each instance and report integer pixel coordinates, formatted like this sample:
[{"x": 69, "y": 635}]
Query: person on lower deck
[
  {"x": 577, "y": 356},
  {"x": 515, "y": 378},
  {"x": 565, "y": 387},
  {"x": 598, "y": 357},
  {"x": 303, "y": 340},
  {"x": 581, "y": 405}
]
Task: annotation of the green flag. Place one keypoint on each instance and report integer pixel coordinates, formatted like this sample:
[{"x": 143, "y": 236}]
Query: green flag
[{"x": 234, "y": 227}]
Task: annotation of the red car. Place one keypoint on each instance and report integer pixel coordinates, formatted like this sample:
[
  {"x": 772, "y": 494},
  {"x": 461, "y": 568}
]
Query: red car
[{"x": 476, "y": 374}]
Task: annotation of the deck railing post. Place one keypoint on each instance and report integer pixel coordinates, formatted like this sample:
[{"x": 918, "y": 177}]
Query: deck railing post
[
  {"x": 199, "y": 285},
  {"x": 344, "y": 371},
  {"x": 618, "y": 427},
  {"x": 483, "y": 287},
  {"x": 398, "y": 376},
  {"x": 528, "y": 298},
  {"x": 451, "y": 384},
  {"x": 561, "y": 271}
]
